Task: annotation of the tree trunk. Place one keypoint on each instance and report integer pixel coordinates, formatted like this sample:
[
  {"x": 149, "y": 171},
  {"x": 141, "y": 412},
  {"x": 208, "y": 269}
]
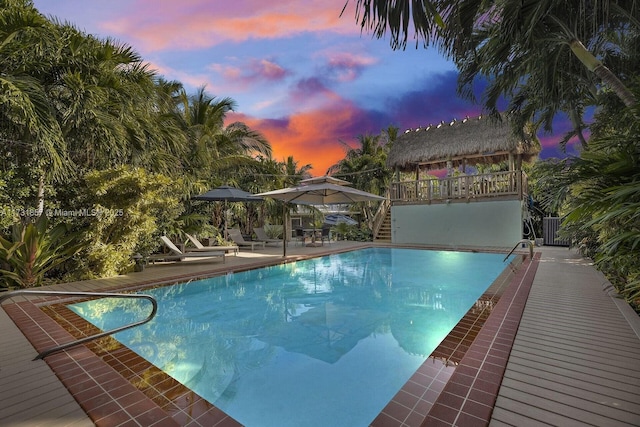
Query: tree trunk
[
  {"x": 41, "y": 194},
  {"x": 603, "y": 73}
]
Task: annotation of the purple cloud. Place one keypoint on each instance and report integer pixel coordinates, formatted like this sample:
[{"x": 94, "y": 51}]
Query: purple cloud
[{"x": 346, "y": 67}]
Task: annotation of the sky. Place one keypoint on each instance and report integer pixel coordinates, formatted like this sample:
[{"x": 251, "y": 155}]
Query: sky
[{"x": 305, "y": 77}]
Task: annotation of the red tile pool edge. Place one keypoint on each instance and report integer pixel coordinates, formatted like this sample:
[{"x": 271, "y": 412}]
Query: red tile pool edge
[
  {"x": 470, "y": 395},
  {"x": 467, "y": 398}
]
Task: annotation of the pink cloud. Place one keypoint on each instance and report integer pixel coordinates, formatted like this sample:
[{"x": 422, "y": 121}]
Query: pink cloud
[
  {"x": 346, "y": 67},
  {"x": 268, "y": 70},
  {"x": 192, "y": 24},
  {"x": 254, "y": 71}
]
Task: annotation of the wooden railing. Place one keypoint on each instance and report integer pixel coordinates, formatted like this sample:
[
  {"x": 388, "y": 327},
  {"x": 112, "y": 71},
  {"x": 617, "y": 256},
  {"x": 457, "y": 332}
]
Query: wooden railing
[
  {"x": 487, "y": 185},
  {"x": 378, "y": 219}
]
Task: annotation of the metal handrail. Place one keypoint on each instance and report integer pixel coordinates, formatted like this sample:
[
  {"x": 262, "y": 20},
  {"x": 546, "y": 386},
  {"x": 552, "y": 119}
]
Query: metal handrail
[
  {"x": 516, "y": 246},
  {"x": 61, "y": 347}
]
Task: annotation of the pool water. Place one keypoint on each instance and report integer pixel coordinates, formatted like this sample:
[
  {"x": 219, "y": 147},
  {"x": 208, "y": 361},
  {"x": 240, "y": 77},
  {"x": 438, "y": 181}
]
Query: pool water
[{"x": 321, "y": 342}]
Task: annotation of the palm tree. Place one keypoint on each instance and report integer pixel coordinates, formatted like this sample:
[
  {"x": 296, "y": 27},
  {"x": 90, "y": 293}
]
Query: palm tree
[
  {"x": 530, "y": 48},
  {"x": 293, "y": 173},
  {"x": 365, "y": 166},
  {"x": 212, "y": 147},
  {"x": 28, "y": 125},
  {"x": 72, "y": 102},
  {"x": 105, "y": 101}
]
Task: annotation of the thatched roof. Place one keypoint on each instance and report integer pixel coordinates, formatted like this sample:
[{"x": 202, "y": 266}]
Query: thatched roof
[{"x": 472, "y": 140}]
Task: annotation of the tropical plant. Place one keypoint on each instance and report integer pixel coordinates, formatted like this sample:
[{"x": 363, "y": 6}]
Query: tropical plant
[
  {"x": 28, "y": 44},
  {"x": 72, "y": 102},
  {"x": 599, "y": 195},
  {"x": 605, "y": 199},
  {"x": 33, "y": 250},
  {"x": 214, "y": 148},
  {"x": 365, "y": 167},
  {"x": 128, "y": 208},
  {"x": 342, "y": 229}
]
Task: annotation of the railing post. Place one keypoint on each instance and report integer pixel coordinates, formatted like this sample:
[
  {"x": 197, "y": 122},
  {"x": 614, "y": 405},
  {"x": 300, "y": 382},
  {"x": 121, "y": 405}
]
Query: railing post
[{"x": 519, "y": 184}]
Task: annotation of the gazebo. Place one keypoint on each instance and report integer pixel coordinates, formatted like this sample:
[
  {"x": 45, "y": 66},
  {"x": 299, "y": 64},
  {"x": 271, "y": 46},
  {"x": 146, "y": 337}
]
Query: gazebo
[
  {"x": 460, "y": 206},
  {"x": 456, "y": 145}
]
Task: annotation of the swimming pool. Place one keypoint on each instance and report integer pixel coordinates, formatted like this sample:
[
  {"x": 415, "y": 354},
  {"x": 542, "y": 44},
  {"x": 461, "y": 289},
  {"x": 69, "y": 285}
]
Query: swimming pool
[{"x": 326, "y": 341}]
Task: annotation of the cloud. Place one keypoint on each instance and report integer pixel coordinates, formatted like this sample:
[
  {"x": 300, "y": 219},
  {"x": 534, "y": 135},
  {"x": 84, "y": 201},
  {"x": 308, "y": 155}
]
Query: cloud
[
  {"x": 193, "y": 24},
  {"x": 432, "y": 101},
  {"x": 253, "y": 71},
  {"x": 315, "y": 136},
  {"x": 347, "y": 67},
  {"x": 309, "y": 91},
  {"x": 186, "y": 78}
]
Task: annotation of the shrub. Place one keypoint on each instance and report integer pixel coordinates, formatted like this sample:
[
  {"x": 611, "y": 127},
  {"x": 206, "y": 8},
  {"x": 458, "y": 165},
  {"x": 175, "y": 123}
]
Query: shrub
[{"x": 33, "y": 250}]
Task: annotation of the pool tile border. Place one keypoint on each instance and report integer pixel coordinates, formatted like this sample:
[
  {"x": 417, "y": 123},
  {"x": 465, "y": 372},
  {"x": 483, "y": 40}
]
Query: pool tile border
[
  {"x": 469, "y": 397},
  {"x": 446, "y": 395}
]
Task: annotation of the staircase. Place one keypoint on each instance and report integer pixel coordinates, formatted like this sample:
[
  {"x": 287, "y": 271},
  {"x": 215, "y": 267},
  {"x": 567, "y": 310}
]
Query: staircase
[{"x": 384, "y": 232}]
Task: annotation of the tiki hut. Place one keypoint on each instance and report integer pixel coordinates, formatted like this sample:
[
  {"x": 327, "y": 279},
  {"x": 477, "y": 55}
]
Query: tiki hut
[{"x": 458, "y": 143}]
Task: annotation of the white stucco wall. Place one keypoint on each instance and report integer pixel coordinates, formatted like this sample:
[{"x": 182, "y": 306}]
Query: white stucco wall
[{"x": 477, "y": 224}]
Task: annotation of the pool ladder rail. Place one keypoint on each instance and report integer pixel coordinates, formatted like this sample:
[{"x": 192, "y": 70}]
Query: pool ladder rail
[
  {"x": 527, "y": 241},
  {"x": 61, "y": 347}
]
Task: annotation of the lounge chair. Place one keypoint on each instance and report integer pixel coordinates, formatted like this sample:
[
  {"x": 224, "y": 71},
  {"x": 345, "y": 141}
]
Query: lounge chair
[
  {"x": 236, "y": 236},
  {"x": 262, "y": 236},
  {"x": 177, "y": 255},
  {"x": 199, "y": 247}
]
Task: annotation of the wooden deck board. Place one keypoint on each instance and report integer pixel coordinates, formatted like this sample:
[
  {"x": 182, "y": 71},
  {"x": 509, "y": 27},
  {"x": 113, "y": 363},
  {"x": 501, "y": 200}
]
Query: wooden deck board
[
  {"x": 576, "y": 357},
  {"x": 519, "y": 414},
  {"x": 563, "y": 376},
  {"x": 592, "y": 392}
]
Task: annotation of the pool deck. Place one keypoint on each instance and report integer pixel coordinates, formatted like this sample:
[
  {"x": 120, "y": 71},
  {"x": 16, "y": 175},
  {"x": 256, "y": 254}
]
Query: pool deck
[{"x": 573, "y": 359}]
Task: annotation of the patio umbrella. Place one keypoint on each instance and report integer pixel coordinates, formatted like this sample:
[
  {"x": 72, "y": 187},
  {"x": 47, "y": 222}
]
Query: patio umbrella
[
  {"x": 226, "y": 193},
  {"x": 319, "y": 191}
]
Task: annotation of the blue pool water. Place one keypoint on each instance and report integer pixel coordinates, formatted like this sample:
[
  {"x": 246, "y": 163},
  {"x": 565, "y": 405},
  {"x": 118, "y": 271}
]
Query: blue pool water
[{"x": 321, "y": 342}]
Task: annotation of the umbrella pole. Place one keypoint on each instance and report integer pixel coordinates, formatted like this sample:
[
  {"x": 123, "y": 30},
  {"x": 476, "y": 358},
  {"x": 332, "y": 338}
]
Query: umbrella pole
[
  {"x": 284, "y": 229},
  {"x": 224, "y": 218}
]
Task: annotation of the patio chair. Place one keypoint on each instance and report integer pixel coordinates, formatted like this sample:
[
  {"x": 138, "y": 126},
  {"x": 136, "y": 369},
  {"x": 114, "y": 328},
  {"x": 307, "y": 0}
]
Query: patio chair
[
  {"x": 262, "y": 236},
  {"x": 177, "y": 255},
  {"x": 199, "y": 247},
  {"x": 236, "y": 237},
  {"x": 325, "y": 235}
]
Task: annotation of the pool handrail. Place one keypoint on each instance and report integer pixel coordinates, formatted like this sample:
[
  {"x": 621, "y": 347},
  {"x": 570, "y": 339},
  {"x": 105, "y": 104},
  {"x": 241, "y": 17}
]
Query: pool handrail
[
  {"x": 61, "y": 347},
  {"x": 529, "y": 242}
]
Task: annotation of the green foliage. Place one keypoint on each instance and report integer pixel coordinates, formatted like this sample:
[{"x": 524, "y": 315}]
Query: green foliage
[
  {"x": 76, "y": 109},
  {"x": 600, "y": 194},
  {"x": 273, "y": 231},
  {"x": 132, "y": 208},
  {"x": 605, "y": 203},
  {"x": 342, "y": 230},
  {"x": 33, "y": 250},
  {"x": 352, "y": 232},
  {"x": 365, "y": 168}
]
